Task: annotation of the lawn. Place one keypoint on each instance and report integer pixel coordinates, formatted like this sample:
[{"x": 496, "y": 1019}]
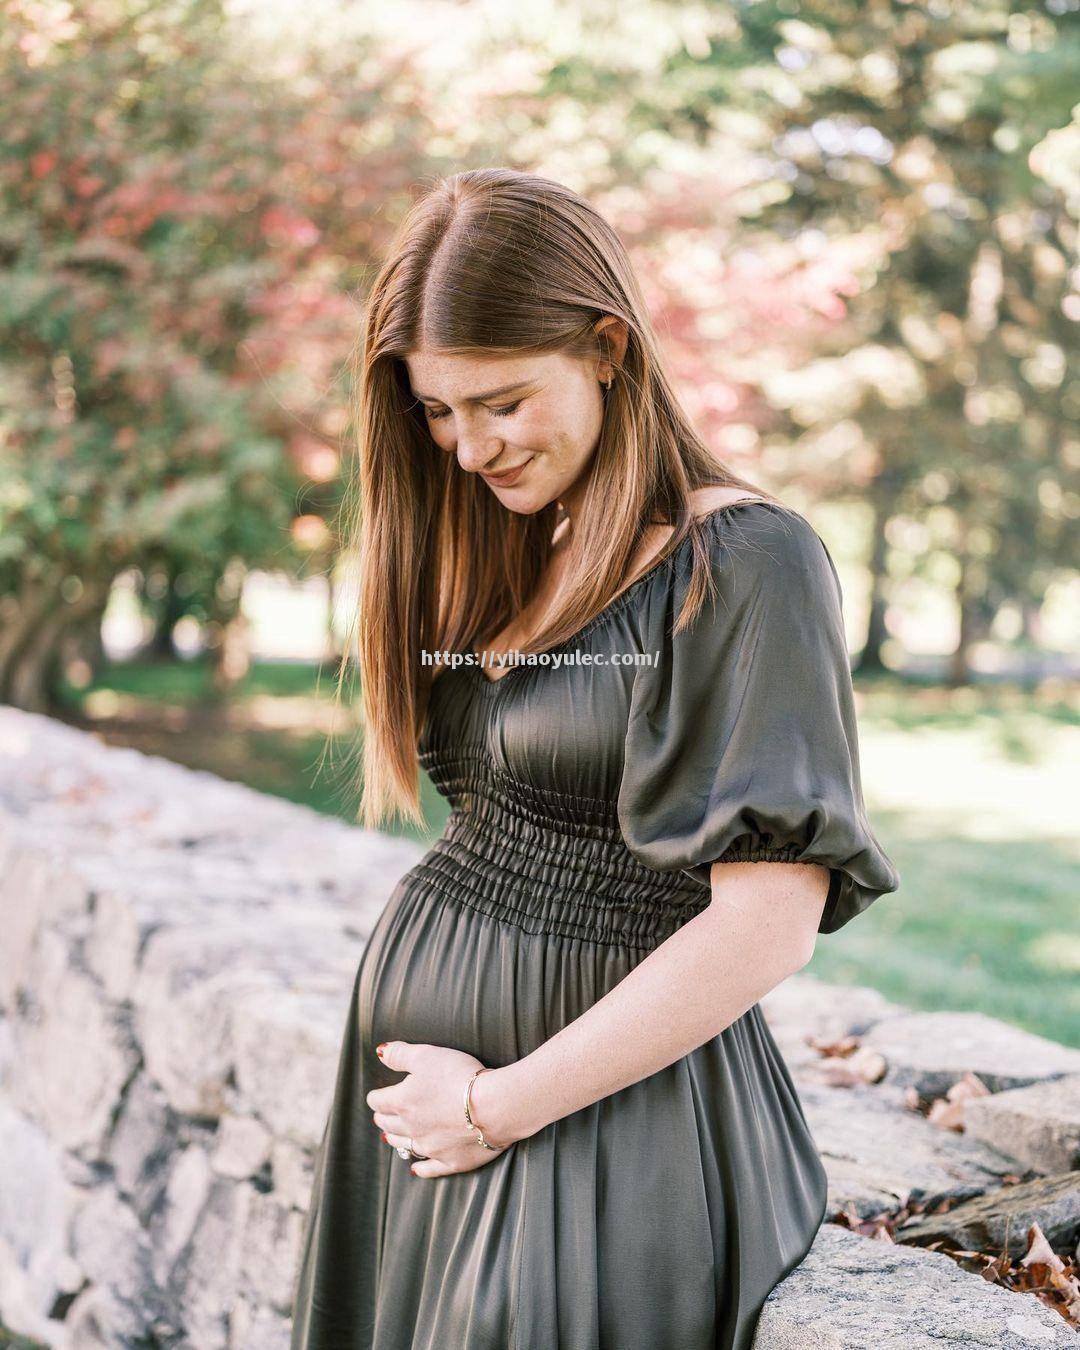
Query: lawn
[{"x": 968, "y": 791}]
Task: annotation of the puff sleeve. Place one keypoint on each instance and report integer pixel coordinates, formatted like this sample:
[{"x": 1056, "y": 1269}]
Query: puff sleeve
[{"x": 741, "y": 743}]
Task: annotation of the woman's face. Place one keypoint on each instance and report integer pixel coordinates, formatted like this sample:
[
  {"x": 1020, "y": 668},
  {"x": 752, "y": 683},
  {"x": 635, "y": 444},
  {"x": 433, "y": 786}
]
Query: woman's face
[{"x": 539, "y": 414}]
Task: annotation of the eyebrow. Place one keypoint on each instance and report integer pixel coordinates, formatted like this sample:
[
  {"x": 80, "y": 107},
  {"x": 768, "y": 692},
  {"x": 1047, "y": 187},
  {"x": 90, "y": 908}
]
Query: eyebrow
[{"x": 480, "y": 398}]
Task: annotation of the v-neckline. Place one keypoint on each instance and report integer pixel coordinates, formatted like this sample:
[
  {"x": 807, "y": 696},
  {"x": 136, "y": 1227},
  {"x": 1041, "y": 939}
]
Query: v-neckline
[{"x": 476, "y": 670}]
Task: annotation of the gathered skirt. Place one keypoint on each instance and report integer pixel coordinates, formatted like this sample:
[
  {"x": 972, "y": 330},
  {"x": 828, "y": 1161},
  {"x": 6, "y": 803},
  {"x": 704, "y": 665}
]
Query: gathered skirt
[{"x": 658, "y": 1218}]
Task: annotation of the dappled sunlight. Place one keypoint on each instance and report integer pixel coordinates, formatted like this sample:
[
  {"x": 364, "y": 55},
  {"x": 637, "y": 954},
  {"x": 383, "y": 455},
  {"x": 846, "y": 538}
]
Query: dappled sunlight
[
  {"x": 1057, "y": 952},
  {"x": 953, "y": 782}
]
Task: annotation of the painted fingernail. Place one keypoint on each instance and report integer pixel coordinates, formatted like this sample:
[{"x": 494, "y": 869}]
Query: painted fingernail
[
  {"x": 413, "y": 1170},
  {"x": 380, "y": 1048},
  {"x": 384, "y": 1138}
]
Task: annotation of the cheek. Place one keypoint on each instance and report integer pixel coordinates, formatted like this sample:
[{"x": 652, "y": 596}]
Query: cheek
[
  {"x": 441, "y": 435},
  {"x": 547, "y": 432}
]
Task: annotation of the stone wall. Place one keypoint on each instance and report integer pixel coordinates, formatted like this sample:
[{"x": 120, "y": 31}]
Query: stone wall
[{"x": 176, "y": 961}]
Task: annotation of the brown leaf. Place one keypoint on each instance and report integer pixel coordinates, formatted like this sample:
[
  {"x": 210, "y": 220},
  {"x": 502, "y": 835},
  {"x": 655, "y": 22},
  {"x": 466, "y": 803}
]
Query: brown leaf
[
  {"x": 948, "y": 1112},
  {"x": 1069, "y": 1287},
  {"x": 1039, "y": 1251},
  {"x": 862, "y": 1066},
  {"x": 946, "y": 1115},
  {"x": 970, "y": 1085},
  {"x": 846, "y": 1045}
]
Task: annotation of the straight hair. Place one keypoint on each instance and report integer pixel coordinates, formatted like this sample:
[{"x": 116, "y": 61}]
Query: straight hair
[{"x": 499, "y": 263}]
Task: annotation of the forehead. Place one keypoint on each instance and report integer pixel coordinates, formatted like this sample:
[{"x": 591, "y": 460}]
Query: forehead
[{"x": 448, "y": 376}]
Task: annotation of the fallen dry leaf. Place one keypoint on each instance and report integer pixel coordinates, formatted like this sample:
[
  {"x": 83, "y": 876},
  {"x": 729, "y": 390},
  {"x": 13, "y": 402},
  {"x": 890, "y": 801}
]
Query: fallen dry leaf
[
  {"x": 946, "y": 1115},
  {"x": 862, "y": 1066},
  {"x": 948, "y": 1112},
  {"x": 1039, "y": 1250},
  {"x": 846, "y": 1045}
]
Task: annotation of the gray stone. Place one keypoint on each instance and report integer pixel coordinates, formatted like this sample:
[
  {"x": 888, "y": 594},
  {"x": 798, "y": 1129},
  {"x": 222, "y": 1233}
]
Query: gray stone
[
  {"x": 113, "y": 1250},
  {"x": 37, "y": 891},
  {"x": 271, "y": 1253},
  {"x": 856, "y": 1293},
  {"x": 74, "y": 1054},
  {"x": 932, "y": 1051},
  {"x": 142, "y": 1140},
  {"x": 33, "y": 1213},
  {"x": 286, "y": 1047},
  {"x": 109, "y": 1243},
  {"x": 293, "y": 1173},
  {"x": 1000, "y": 1220},
  {"x": 98, "y": 1320},
  {"x": 185, "y": 996},
  {"x": 243, "y": 1147},
  {"x": 206, "y": 1278},
  {"x": 7, "y": 1054},
  {"x": 186, "y": 1193},
  {"x": 254, "y": 1328},
  {"x": 802, "y": 1006},
  {"x": 1040, "y": 1125},
  {"x": 880, "y": 1155}
]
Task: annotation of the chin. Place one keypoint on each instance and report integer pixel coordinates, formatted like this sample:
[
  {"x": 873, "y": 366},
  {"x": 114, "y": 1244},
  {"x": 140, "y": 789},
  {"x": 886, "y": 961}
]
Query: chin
[{"x": 521, "y": 508}]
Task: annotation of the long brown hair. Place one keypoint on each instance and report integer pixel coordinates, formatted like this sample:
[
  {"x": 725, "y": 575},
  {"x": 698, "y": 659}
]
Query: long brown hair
[{"x": 500, "y": 263}]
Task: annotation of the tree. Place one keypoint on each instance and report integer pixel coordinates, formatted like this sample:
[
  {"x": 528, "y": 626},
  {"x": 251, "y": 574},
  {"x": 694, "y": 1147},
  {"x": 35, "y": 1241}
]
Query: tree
[{"x": 178, "y": 233}]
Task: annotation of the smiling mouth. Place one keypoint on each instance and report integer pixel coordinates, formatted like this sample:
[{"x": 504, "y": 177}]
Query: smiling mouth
[{"x": 509, "y": 474}]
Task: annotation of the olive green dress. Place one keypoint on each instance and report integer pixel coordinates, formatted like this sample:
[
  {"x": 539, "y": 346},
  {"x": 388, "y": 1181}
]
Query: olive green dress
[{"x": 588, "y": 804}]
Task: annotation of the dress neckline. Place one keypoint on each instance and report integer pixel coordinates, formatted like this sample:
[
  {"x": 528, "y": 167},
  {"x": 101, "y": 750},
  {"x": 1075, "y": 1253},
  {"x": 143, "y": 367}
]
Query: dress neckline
[{"x": 475, "y": 671}]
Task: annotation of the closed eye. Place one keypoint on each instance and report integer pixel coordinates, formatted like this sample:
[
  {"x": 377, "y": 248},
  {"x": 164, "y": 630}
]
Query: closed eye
[{"x": 505, "y": 411}]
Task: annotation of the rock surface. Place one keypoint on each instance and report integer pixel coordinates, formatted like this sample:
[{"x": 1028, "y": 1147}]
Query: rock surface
[
  {"x": 999, "y": 1220},
  {"x": 854, "y": 1294},
  {"x": 1039, "y": 1125},
  {"x": 932, "y": 1051}
]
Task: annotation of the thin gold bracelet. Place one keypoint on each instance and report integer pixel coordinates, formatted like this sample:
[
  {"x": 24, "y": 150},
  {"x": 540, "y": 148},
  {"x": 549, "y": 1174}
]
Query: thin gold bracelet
[{"x": 468, "y": 1114}]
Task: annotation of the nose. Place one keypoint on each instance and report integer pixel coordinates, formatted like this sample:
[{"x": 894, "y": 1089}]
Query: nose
[{"x": 476, "y": 451}]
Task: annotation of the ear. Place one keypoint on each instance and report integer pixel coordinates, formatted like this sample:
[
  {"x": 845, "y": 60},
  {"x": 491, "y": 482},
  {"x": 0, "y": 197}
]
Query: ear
[{"x": 613, "y": 336}]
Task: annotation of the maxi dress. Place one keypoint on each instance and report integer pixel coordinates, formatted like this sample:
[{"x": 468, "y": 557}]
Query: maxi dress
[{"x": 588, "y": 803}]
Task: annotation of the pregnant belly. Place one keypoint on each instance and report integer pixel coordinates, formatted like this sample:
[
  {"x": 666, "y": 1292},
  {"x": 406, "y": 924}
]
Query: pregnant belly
[{"x": 439, "y": 972}]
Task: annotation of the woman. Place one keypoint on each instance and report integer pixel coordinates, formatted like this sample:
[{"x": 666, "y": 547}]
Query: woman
[{"x": 560, "y": 1121}]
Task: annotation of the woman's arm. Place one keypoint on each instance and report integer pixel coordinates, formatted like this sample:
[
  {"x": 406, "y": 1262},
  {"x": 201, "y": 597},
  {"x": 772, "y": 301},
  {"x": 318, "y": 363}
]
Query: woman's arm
[{"x": 759, "y": 928}]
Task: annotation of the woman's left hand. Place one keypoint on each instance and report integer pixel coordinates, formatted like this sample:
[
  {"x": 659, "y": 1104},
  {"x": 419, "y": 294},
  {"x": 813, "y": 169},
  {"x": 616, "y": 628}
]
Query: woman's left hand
[{"x": 428, "y": 1108}]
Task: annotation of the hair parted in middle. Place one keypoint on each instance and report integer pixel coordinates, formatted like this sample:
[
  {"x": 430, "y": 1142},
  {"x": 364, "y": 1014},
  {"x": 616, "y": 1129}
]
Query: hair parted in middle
[{"x": 500, "y": 263}]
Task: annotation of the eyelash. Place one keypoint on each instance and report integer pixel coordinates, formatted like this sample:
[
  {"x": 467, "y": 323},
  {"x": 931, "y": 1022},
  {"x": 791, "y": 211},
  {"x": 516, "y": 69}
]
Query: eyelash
[{"x": 495, "y": 412}]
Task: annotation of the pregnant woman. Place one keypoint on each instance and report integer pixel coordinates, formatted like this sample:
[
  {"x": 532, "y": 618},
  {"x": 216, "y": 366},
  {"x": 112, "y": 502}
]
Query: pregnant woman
[{"x": 560, "y": 1121}]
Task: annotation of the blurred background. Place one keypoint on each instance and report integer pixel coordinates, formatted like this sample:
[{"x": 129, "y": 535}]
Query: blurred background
[{"x": 857, "y": 230}]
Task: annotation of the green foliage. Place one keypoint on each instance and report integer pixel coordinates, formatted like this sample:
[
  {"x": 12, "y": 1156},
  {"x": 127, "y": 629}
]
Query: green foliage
[{"x": 174, "y": 316}]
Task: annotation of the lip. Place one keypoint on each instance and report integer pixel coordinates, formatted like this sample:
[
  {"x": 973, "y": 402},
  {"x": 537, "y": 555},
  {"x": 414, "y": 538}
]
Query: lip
[{"x": 505, "y": 479}]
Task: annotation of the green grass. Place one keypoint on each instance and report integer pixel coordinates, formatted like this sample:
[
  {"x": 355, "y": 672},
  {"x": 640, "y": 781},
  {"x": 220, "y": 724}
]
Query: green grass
[
  {"x": 976, "y": 925},
  {"x": 968, "y": 791}
]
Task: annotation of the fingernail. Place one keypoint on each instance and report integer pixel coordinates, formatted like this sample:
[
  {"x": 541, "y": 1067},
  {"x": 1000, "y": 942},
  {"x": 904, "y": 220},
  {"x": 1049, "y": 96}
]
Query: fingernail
[
  {"x": 384, "y": 1139},
  {"x": 413, "y": 1170},
  {"x": 380, "y": 1048}
]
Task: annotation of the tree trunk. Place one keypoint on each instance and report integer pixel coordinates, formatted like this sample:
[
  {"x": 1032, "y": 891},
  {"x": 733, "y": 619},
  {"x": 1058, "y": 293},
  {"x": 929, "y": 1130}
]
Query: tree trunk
[
  {"x": 84, "y": 643},
  {"x": 31, "y": 683},
  {"x": 171, "y": 610},
  {"x": 230, "y": 656},
  {"x": 22, "y": 613},
  {"x": 870, "y": 660},
  {"x": 959, "y": 669}
]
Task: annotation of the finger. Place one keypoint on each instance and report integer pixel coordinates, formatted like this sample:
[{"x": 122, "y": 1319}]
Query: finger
[
  {"x": 430, "y": 1167},
  {"x": 396, "y": 1140},
  {"x": 396, "y": 1055},
  {"x": 385, "y": 1099},
  {"x": 387, "y": 1120}
]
